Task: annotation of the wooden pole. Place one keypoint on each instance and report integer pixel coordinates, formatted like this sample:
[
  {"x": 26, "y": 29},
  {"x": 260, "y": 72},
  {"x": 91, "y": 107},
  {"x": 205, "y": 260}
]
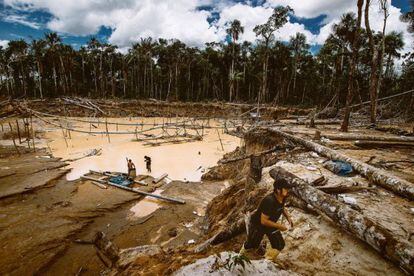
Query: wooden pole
[
  {"x": 26, "y": 127},
  {"x": 33, "y": 134},
  {"x": 18, "y": 131},
  {"x": 2, "y": 129},
  {"x": 107, "y": 132},
  {"x": 158, "y": 179},
  {"x": 14, "y": 142},
  {"x": 64, "y": 137},
  {"x": 221, "y": 143}
]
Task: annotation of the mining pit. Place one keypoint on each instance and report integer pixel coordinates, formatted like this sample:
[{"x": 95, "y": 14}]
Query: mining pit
[{"x": 50, "y": 215}]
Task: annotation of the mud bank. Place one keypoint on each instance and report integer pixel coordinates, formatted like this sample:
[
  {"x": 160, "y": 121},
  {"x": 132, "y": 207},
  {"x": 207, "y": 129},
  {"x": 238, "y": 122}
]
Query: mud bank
[{"x": 40, "y": 226}]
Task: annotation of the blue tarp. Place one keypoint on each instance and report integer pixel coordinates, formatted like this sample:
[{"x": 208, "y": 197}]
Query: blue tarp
[
  {"x": 339, "y": 167},
  {"x": 120, "y": 180}
]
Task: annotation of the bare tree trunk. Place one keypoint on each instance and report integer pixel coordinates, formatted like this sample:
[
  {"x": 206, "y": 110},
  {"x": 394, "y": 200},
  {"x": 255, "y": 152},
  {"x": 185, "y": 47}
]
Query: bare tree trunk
[
  {"x": 384, "y": 8},
  {"x": 351, "y": 87},
  {"x": 40, "y": 79},
  {"x": 373, "y": 81}
]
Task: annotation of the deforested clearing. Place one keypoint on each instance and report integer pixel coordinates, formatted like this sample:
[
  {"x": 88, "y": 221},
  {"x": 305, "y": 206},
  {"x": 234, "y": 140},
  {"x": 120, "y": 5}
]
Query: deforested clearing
[{"x": 257, "y": 153}]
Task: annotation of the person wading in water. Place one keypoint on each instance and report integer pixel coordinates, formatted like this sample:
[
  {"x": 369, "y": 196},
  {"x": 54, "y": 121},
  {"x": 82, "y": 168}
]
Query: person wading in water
[
  {"x": 132, "y": 173},
  {"x": 147, "y": 160}
]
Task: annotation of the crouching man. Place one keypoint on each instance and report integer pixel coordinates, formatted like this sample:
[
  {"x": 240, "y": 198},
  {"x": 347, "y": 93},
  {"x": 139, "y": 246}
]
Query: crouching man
[{"x": 264, "y": 222}]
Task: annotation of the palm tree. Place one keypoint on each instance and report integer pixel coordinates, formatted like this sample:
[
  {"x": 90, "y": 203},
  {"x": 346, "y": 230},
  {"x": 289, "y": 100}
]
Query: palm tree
[
  {"x": 299, "y": 48},
  {"x": 393, "y": 43},
  {"x": 234, "y": 30},
  {"x": 94, "y": 51},
  {"x": 18, "y": 50},
  {"x": 351, "y": 85},
  {"x": 53, "y": 41}
]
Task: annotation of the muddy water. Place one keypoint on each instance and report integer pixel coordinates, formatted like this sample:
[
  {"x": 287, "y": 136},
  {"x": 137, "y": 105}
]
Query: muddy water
[{"x": 186, "y": 161}]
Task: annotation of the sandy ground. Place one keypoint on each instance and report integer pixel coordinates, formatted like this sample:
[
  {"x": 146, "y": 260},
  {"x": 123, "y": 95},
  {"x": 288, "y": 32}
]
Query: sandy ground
[
  {"x": 41, "y": 215},
  {"x": 39, "y": 226}
]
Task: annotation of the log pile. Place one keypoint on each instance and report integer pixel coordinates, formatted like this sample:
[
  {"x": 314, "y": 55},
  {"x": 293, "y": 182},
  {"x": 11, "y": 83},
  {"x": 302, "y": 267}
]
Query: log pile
[
  {"x": 380, "y": 177},
  {"x": 382, "y": 240}
]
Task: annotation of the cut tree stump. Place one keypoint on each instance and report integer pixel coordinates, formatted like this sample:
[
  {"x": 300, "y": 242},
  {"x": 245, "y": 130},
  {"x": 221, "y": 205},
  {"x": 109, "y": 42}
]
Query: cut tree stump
[
  {"x": 381, "y": 239},
  {"x": 380, "y": 177},
  {"x": 106, "y": 247}
]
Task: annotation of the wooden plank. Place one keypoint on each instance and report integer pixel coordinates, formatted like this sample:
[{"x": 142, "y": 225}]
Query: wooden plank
[
  {"x": 102, "y": 186},
  {"x": 158, "y": 179},
  {"x": 176, "y": 200}
]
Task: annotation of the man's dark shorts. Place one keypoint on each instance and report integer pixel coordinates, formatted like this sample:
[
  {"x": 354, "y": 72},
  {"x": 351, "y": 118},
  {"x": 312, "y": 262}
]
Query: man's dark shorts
[{"x": 255, "y": 236}]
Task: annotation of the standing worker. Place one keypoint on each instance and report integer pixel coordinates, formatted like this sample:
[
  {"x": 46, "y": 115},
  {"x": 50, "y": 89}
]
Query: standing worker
[
  {"x": 264, "y": 222},
  {"x": 132, "y": 173},
  {"x": 147, "y": 160}
]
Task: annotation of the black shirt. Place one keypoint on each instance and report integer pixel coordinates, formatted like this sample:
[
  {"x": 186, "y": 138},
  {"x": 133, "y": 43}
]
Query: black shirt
[{"x": 271, "y": 207}]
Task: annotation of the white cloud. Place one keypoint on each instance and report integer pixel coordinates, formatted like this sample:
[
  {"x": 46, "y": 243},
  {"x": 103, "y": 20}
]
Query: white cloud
[
  {"x": 167, "y": 19},
  {"x": 21, "y": 19},
  {"x": 3, "y": 43},
  {"x": 314, "y": 8},
  {"x": 181, "y": 19}
]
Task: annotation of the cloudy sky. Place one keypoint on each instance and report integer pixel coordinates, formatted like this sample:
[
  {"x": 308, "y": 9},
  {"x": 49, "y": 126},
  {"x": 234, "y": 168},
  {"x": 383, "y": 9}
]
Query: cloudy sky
[{"x": 195, "y": 22}]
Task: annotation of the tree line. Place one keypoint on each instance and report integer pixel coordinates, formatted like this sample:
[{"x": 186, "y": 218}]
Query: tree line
[{"x": 353, "y": 65}]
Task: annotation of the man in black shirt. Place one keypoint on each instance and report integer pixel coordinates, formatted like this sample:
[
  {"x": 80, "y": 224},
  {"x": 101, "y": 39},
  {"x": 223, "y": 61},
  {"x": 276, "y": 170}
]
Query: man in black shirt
[{"x": 264, "y": 221}]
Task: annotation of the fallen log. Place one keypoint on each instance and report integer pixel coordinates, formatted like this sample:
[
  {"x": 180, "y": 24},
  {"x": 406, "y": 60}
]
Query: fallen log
[
  {"x": 342, "y": 189},
  {"x": 175, "y": 200},
  {"x": 381, "y": 239},
  {"x": 394, "y": 130},
  {"x": 358, "y": 137},
  {"x": 383, "y": 144},
  {"x": 380, "y": 177},
  {"x": 355, "y": 137}
]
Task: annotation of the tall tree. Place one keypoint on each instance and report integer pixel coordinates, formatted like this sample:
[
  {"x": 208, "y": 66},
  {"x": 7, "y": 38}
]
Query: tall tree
[
  {"x": 38, "y": 52},
  {"x": 266, "y": 33},
  {"x": 353, "y": 62},
  {"x": 234, "y": 30},
  {"x": 299, "y": 47},
  {"x": 393, "y": 44},
  {"x": 53, "y": 41}
]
